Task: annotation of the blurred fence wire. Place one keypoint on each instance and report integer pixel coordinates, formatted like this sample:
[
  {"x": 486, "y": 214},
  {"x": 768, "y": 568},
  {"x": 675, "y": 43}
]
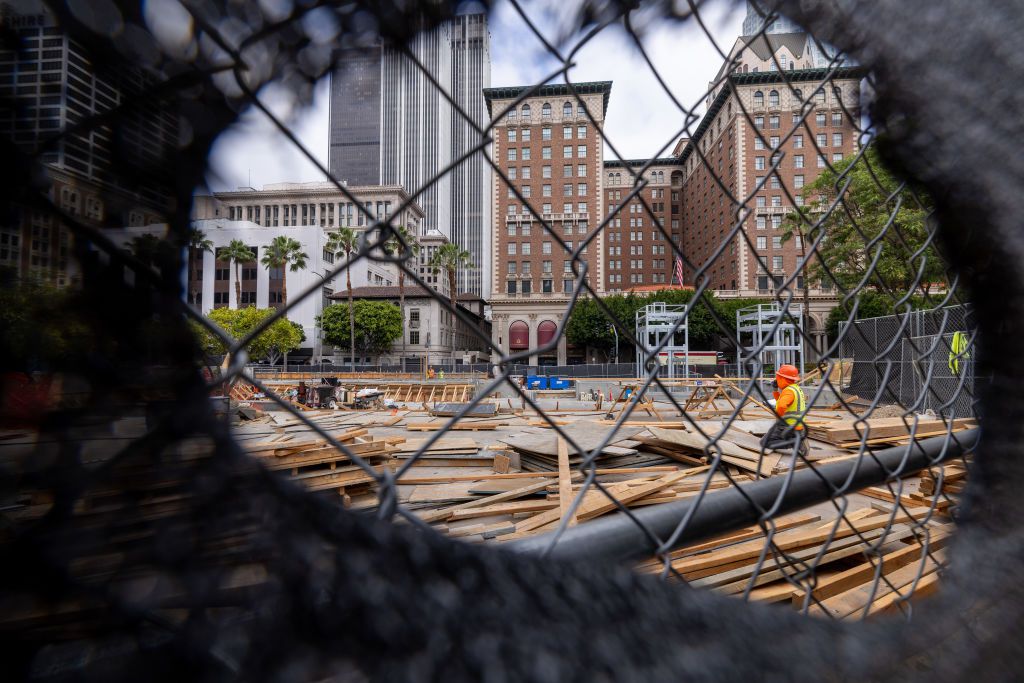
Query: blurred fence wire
[{"x": 143, "y": 540}]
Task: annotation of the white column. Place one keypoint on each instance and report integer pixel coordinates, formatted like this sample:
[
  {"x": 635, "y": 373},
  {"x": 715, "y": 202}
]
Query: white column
[
  {"x": 209, "y": 272},
  {"x": 262, "y": 284}
]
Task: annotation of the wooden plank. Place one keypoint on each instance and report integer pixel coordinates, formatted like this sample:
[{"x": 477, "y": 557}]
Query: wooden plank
[
  {"x": 856, "y": 576},
  {"x": 443, "y": 479},
  {"x": 509, "y": 508},
  {"x": 501, "y": 463},
  {"x": 438, "y": 515},
  {"x": 564, "y": 481},
  {"x": 851, "y": 603},
  {"x": 460, "y": 426}
]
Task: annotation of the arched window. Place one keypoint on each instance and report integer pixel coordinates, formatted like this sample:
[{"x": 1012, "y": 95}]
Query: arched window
[
  {"x": 518, "y": 336},
  {"x": 545, "y": 111},
  {"x": 661, "y": 176},
  {"x": 773, "y": 98},
  {"x": 546, "y": 332},
  {"x": 526, "y": 112},
  {"x": 758, "y": 99},
  {"x": 799, "y": 94},
  {"x": 567, "y": 110},
  {"x": 581, "y": 110},
  {"x": 512, "y": 115}
]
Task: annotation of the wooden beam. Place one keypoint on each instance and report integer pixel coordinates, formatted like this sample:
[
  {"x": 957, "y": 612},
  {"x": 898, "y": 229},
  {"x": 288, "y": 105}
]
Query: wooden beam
[{"x": 564, "y": 481}]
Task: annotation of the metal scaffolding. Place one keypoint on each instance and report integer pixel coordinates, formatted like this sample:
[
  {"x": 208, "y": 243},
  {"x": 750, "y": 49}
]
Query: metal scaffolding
[
  {"x": 656, "y": 323},
  {"x": 773, "y": 333}
]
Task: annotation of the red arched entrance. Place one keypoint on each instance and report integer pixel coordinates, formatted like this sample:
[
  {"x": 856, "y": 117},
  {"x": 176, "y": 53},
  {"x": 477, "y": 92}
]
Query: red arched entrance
[
  {"x": 546, "y": 332},
  {"x": 518, "y": 336}
]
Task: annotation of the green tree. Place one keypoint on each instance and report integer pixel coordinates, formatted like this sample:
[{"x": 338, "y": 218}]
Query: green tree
[
  {"x": 409, "y": 251},
  {"x": 377, "y": 325},
  {"x": 283, "y": 335},
  {"x": 284, "y": 252},
  {"x": 451, "y": 258},
  {"x": 879, "y": 222},
  {"x": 345, "y": 242},
  {"x": 237, "y": 253},
  {"x": 197, "y": 241}
]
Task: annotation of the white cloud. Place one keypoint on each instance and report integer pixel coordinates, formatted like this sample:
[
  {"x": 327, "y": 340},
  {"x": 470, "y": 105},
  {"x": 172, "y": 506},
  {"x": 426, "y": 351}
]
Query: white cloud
[{"x": 641, "y": 119}]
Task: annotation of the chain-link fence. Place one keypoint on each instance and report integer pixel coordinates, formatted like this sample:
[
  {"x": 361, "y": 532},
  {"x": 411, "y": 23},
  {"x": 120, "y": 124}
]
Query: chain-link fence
[
  {"x": 150, "y": 531},
  {"x": 911, "y": 360}
]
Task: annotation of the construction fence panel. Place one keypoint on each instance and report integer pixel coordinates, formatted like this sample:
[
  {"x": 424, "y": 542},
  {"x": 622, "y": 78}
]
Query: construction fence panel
[{"x": 161, "y": 522}]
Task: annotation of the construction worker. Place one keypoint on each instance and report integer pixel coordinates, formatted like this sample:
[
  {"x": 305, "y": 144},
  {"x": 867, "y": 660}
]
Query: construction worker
[
  {"x": 790, "y": 405},
  {"x": 440, "y": 375}
]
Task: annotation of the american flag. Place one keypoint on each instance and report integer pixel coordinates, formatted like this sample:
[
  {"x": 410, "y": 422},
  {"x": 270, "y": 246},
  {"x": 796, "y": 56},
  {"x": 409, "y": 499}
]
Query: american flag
[{"x": 679, "y": 270}]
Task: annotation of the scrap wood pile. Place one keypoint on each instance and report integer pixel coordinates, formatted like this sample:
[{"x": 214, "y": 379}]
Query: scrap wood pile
[
  {"x": 538, "y": 447},
  {"x": 833, "y": 552},
  {"x": 883, "y": 431},
  {"x": 281, "y": 442}
]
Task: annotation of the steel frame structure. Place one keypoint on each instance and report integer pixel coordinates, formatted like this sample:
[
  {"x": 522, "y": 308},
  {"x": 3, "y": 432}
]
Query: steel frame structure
[{"x": 654, "y": 323}]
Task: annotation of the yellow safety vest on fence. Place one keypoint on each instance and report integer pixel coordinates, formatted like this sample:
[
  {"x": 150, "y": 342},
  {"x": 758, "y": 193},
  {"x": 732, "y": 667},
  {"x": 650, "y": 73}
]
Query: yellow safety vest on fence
[
  {"x": 794, "y": 414},
  {"x": 958, "y": 352}
]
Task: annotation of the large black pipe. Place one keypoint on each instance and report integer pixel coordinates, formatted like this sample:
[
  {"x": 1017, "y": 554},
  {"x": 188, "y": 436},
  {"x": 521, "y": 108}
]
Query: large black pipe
[{"x": 619, "y": 538}]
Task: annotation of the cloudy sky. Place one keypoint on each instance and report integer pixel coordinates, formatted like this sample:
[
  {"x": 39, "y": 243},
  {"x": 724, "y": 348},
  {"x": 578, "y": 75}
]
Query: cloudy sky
[{"x": 642, "y": 118}]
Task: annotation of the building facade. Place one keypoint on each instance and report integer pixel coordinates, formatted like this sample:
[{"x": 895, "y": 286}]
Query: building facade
[
  {"x": 551, "y": 151},
  {"x": 391, "y": 125},
  {"x": 642, "y": 228},
  {"x": 432, "y": 334}
]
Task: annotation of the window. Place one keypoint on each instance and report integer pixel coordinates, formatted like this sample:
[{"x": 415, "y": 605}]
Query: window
[
  {"x": 819, "y": 118},
  {"x": 581, "y": 151},
  {"x": 819, "y": 96},
  {"x": 545, "y": 172},
  {"x": 526, "y": 286},
  {"x": 799, "y": 199},
  {"x": 759, "y": 121},
  {"x": 760, "y": 200},
  {"x": 567, "y": 208},
  {"x": 546, "y": 267},
  {"x": 581, "y": 110},
  {"x": 776, "y": 263},
  {"x": 798, "y": 161},
  {"x": 775, "y": 142},
  {"x": 526, "y": 268},
  {"x": 545, "y": 286},
  {"x": 798, "y": 141},
  {"x": 581, "y": 132},
  {"x": 837, "y": 156},
  {"x": 821, "y": 161},
  {"x": 545, "y": 248},
  {"x": 512, "y": 115},
  {"x": 581, "y": 207},
  {"x": 761, "y": 224},
  {"x": 759, "y": 163},
  {"x": 512, "y": 152},
  {"x": 567, "y": 152},
  {"x": 526, "y": 153},
  {"x": 837, "y": 139},
  {"x": 511, "y": 287},
  {"x": 758, "y": 142},
  {"x": 511, "y": 267},
  {"x": 837, "y": 118},
  {"x": 546, "y": 208},
  {"x": 798, "y": 94},
  {"x": 525, "y": 250},
  {"x": 581, "y": 171},
  {"x": 567, "y": 171},
  {"x": 773, "y": 182},
  {"x": 566, "y": 132},
  {"x": 567, "y": 109},
  {"x": 762, "y": 242},
  {"x": 545, "y": 152},
  {"x": 773, "y": 96},
  {"x": 776, "y": 222},
  {"x": 526, "y": 134},
  {"x": 545, "y": 133},
  {"x": 821, "y": 139},
  {"x": 511, "y": 248},
  {"x": 525, "y": 231},
  {"x": 759, "y": 99},
  {"x": 773, "y": 121},
  {"x": 525, "y": 190},
  {"x": 512, "y": 172},
  {"x": 567, "y": 286},
  {"x": 414, "y": 335},
  {"x": 545, "y": 190},
  {"x": 776, "y": 241},
  {"x": 776, "y": 200},
  {"x": 798, "y": 181},
  {"x": 567, "y": 190},
  {"x": 511, "y": 229},
  {"x": 545, "y": 112},
  {"x": 762, "y": 282},
  {"x": 513, "y": 209},
  {"x": 581, "y": 190},
  {"x": 512, "y": 134},
  {"x": 526, "y": 172}
]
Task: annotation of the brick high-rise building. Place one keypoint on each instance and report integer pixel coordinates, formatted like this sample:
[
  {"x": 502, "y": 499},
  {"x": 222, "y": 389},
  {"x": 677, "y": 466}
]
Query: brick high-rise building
[
  {"x": 552, "y": 153},
  {"x": 637, "y": 254}
]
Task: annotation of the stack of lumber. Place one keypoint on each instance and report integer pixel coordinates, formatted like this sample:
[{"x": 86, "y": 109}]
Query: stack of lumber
[
  {"x": 447, "y": 451},
  {"x": 425, "y": 393},
  {"x": 844, "y": 576},
  {"x": 538, "y": 447},
  {"x": 954, "y": 478},
  {"x": 310, "y": 460},
  {"x": 882, "y": 431}
]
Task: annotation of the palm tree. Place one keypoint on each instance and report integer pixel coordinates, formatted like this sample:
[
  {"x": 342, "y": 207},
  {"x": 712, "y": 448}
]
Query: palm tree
[
  {"x": 238, "y": 253},
  {"x": 450, "y": 258},
  {"x": 197, "y": 241},
  {"x": 284, "y": 252},
  {"x": 345, "y": 242},
  {"x": 145, "y": 248},
  {"x": 412, "y": 249}
]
